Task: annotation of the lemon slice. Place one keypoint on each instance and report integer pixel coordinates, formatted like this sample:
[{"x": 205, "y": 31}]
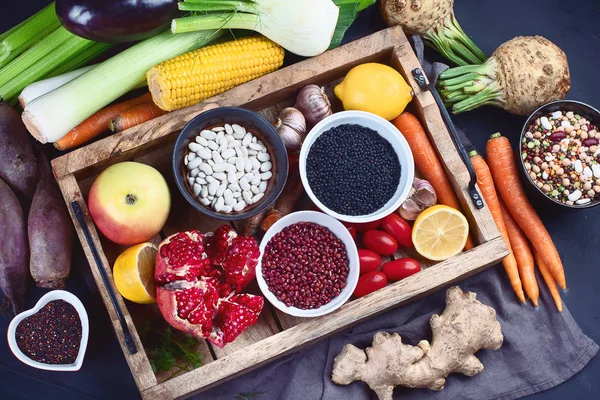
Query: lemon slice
[
  {"x": 440, "y": 232},
  {"x": 134, "y": 273}
]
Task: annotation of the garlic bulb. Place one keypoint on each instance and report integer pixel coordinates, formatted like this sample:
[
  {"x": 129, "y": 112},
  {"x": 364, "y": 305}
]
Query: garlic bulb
[
  {"x": 291, "y": 126},
  {"x": 314, "y": 104},
  {"x": 422, "y": 196}
]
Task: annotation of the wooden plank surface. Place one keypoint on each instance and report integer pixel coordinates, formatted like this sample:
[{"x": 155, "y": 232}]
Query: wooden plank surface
[
  {"x": 138, "y": 363},
  {"x": 300, "y": 336}
]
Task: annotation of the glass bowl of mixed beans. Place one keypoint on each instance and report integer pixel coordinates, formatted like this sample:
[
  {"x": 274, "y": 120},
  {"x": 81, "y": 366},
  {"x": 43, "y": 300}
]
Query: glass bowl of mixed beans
[{"x": 560, "y": 153}]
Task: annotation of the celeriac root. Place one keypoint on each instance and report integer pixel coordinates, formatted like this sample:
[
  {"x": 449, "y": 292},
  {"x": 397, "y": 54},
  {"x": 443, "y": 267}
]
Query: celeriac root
[{"x": 465, "y": 327}]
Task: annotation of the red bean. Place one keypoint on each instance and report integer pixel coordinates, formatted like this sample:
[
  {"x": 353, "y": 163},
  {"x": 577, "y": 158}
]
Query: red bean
[
  {"x": 558, "y": 135},
  {"x": 590, "y": 142},
  {"x": 305, "y": 265}
]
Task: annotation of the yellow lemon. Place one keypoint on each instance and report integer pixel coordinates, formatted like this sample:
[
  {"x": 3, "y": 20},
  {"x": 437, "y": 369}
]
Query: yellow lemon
[
  {"x": 375, "y": 88},
  {"x": 134, "y": 273},
  {"x": 440, "y": 232}
]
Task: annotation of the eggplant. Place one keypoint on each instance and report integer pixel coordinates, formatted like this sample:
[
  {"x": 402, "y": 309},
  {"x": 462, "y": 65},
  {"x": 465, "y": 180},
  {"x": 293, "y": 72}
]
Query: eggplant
[{"x": 116, "y": 21}]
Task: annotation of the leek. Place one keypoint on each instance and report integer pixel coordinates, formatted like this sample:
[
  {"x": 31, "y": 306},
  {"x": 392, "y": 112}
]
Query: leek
[
  {"x": 18, "y": 39},
  {"x": 42, "y": 87},
  {"x": 302, "y": 27},
  {"x": 51, "y": 116},
  {"x": 81, "y": 59}
]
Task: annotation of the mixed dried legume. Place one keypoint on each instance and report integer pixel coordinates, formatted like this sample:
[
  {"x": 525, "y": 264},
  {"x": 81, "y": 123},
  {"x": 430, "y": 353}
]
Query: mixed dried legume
[
  {"x": 52, "y": 335},
  {"x": 561, "y": 154},
  {"x": 352, "y": 170},
  {"x": 305, "y": 265}
]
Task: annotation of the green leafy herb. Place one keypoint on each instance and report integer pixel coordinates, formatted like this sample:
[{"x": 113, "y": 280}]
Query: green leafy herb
[{"x": 172, "y": 350}]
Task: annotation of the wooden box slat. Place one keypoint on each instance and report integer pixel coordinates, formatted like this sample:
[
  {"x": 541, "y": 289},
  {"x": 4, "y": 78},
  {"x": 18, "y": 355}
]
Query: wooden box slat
[{"x": 276, "y": 333}]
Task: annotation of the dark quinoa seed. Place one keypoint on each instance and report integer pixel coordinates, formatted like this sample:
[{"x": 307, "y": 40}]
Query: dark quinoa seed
[
  {"x": 52, "y": 335},
  {"x": 353, "y": 170}
]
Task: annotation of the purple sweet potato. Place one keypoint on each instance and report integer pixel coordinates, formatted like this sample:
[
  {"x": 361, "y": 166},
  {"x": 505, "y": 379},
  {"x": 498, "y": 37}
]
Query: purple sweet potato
[
  {"x": 50, "y": 232},
  {"x": 13, "y": 248},
  {"x": 18, "y": 165}
]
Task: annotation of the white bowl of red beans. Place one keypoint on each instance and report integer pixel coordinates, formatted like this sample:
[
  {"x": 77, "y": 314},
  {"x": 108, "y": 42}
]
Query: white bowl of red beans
[{"x": 309, "y": 264}]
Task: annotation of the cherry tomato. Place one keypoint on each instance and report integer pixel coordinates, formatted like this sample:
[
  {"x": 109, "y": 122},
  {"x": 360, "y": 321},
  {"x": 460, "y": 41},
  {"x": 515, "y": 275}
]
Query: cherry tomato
[
  {"x": 352, "y": 230},
  {"x": 400, "y": 230},
  {"x": 380, "y": 242},
  {"x": 368, "y": 283},
  {"x": 363, "y": 227},
  {"x": 400, "y": 268},
  {"x": 369, "y": 260}
]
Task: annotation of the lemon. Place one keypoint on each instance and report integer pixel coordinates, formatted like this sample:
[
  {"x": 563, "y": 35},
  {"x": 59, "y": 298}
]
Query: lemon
[
  {"x": 375, "y": 88},
  {"x": 134, "y": 273},
  {"x": 440, "y": 232}
]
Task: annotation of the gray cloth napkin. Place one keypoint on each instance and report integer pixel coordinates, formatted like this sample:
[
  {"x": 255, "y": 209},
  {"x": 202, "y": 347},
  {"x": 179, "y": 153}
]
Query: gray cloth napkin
[{"x": 542, "y": 348}]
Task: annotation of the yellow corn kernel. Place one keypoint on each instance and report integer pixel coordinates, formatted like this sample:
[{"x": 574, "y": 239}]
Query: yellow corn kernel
[{"x": 195, "y": 76}]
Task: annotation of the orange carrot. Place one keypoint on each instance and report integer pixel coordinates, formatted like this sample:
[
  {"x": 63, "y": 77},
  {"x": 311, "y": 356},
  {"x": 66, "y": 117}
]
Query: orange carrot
[
  {"x": 427, "y": 161},
  {"x": 486, "y": 185},
  {"x": 134, "y": 116},
  {"x": 545, "y": 271},
  {"x": 504, "y": 171},
  {"x": 97, "y": 123},
  {"x": 522, "y": 251}
]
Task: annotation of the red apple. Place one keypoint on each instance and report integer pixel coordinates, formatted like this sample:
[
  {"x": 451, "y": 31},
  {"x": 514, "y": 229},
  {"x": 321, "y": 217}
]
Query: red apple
[{"x": 129, "y": 202}]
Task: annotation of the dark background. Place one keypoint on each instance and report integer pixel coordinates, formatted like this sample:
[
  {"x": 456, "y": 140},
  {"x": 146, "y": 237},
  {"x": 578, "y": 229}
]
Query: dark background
[{"x": 574, "y": 25}]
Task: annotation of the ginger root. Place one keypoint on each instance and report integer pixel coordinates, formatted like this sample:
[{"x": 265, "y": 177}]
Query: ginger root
[{"x": 465, "y": 327}]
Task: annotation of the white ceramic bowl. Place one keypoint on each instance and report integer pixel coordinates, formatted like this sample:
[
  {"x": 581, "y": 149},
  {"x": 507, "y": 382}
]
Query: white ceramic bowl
[
  {"x": 47, "y": 298},
  {"x": 385, "y": 130},
  {"x": 337, "y": 229}
]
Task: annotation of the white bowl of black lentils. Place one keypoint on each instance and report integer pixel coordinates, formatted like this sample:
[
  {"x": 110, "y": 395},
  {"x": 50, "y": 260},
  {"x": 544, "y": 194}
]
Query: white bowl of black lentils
[
  {"x": 53, "y": 335},
  {"x": 309, "y": 264},
  {"x": 356, "y": 166}
]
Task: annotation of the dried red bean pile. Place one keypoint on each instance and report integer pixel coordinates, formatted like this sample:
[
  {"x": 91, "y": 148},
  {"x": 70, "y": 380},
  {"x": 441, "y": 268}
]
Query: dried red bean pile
[
  {"x": 305, "y": 265},
  {"x": 52, "y": 335}
]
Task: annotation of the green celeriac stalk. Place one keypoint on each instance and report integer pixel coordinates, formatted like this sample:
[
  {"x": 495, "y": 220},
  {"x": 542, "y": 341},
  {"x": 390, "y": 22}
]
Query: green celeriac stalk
[
  {"x": 51, "y": 116},
  {"x": 303, "y": 27},
  {"x": 21, "y": 37}
]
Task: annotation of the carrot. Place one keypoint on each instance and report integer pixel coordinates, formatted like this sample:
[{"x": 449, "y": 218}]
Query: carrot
[
  {"x": 486, "y": 185},
  {"x": 135, "y": 116},
  {"x": 545, "y": 271},
  {"x": 97, "y": 123},
  {"x": 427, "y": 161},
  {"x": 522, "y": 251},
  {"x": 504, "y": 172}
]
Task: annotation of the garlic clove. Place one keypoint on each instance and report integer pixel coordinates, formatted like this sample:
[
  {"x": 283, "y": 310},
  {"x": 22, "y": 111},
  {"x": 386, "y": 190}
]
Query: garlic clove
[
  {"x": 313, "y": 103},
  {"x": 291, "y": 126},
  {"x": 421, "y": 197}
]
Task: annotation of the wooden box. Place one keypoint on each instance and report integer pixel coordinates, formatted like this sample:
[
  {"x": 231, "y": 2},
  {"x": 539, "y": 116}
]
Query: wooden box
[{"x": 275, "y": 334}]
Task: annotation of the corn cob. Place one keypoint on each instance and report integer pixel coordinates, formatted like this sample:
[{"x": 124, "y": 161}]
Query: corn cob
[{"x": 195, "y": 76}]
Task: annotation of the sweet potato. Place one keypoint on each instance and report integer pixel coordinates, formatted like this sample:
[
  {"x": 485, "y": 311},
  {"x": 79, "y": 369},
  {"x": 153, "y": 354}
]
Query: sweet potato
[
  {"x": 18, "y": 166},
  {"x": 50, "y": 232},
  {"x": 13, "y": 248}
]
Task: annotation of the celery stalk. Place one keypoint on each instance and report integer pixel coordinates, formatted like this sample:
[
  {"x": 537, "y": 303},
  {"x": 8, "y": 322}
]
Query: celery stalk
[
  {"x": 18, "y": 39},
  {"x": 53, "y": 115},
  {"x": 43, "y": 67},
  {"x": 81, "y": 59}
]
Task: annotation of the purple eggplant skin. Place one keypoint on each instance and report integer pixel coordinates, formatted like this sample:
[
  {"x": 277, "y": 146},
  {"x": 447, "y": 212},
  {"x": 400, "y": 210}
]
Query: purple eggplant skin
[
  {"x": 14, "y": 250},
  {"x": 116, "y": 21},
  {"x": 18, "y": 165},
  {"x": 50, "y": 232}
]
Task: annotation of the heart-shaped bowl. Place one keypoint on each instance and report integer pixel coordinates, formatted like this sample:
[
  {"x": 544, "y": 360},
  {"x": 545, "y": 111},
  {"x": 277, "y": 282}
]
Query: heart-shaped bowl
[{"x": 47, "y": 298}]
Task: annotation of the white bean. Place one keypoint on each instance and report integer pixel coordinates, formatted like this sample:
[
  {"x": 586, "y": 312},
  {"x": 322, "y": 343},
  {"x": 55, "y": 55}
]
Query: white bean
[
  {"x": 221, "y": 189},
  {"x": 256, "y": 146},
  {"x": 235, "y": 187},
  {"x": 222, "y": 167},
  {"x": 254, "y": 189},
  {"x": 185, "y": 160},
  {"x": 228, "y": 129},
  {"x": 191, "y": 180},
  {"x": 195, "y": 163},
  {"x": 210, "y": 162},
  {"x": 208, "y": 135},
  {"x": 232, "y": 160},
  {"x": 212, "y": 145},
  {"x": 247, "y": 197},
  {"x": 251, "y": 152},
  {"x": 262, "y": 187},
  {"x": 201, "y": 140},
  {"x": 201, "y": 181},
  {"x": 254, "y": 139},
  {"x": 210, "y": 179},
  {"x": 204, "y": 201},
  {"x": 230, "y": 168},
  {"x": 196, "y": 189},
  {"x": 194, "y": 172},
  {"x": 223, "y": 141},
  {"x": 239, "y": 206},
  {"x": 248, "y": 165},
  {"x": 237, "y": 194},
  {"x": 240, "y": 164},
  {"x": 191, "y": 156},
  {"x": 202, "y": 175},
  {"x": 207, "y": 169},
  {"x": 230, "y": 138},
  {"x": 239, "y": 174},
  {"x": 263, "y": 157},
  {"x": 255, "y": 163},
  {"x": 266, "y": 175},
  {"x": 249, "y": 177},
  {"x": 247, "y": 139},
  {"x": 256, "y": 180},
  {"x": 212, "y": 188},
  {"x": 220, "y": 176},
  {"x": 226, "y": 209},
  {"x": 228, "y": 196},
  {"x": 219, "y": 136},
  {"x": 219, "y": 204},
  {"x": 193, "y": 146},
  {"x": 218, "y": 129},
  {"x": 244, "y": 184},
  {"x": 244, "y": 151},
  {"x": 228, "y": 153},
  {"x": 217, "y": 157},
  {"x": 257, "y": 197},
  {"x": 222, "y": 148},
  {"x": 204, "y": 192},
  {"x": 266, "y": 166},
  {"x": 205, "y": 154},
  {"x": 232, "y": 178}
]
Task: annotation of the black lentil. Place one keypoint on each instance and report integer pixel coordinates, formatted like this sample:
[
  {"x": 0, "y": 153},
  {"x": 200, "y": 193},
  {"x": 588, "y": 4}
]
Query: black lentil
[
  {"x": 52, "y": 335},
  {"x": 352, "y": 170}
]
